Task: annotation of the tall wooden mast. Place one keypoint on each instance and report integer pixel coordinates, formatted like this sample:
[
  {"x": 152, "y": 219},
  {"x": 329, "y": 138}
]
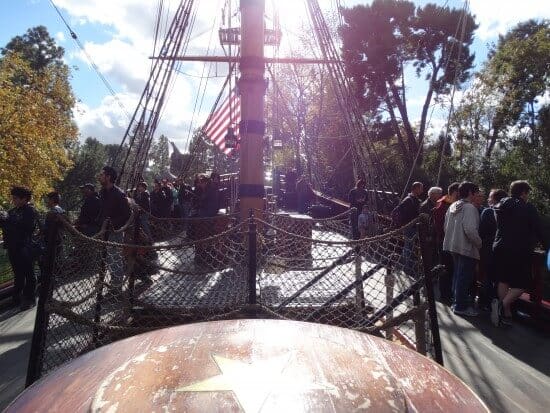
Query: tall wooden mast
[{"x": 252, "y": 87}]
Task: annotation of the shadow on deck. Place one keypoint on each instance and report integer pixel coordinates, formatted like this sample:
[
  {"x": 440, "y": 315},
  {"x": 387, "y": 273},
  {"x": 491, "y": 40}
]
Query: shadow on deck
[{"x": 509, "y": 367}]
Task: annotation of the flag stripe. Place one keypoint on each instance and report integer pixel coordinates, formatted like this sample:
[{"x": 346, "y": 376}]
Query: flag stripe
[
  {"x": 221, "y": 128},
  {"x": 216, "y": 126},
  {"x": 221, "y": 115},
  {"x": 218, "y": 135}
]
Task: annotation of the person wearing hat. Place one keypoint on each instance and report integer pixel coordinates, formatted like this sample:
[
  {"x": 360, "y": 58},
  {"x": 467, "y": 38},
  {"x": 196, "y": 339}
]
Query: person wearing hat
[{"x": 88, "y": 220}]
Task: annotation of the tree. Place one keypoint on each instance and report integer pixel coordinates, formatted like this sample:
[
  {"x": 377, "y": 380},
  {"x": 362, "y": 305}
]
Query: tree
[
  {"x": 159, "y": 157},
  {"x": 36, "y": 47},
  {"x": 36, "y": 125},
  {"x": 518, "y": 70},
  {"x": 88, "y": 159},
  {"x": 306, "y": 118},
  {"x": 381, "y": 40}
]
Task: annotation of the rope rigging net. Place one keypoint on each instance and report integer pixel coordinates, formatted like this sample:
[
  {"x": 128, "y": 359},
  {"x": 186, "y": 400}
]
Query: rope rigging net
[{"x": 173, "y": 271}]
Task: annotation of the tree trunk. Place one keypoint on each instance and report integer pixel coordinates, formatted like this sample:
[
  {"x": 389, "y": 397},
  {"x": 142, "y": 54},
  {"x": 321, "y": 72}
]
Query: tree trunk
[
  {"x": 492, "y": 142},
  {"x": 397, "y": 129},
  {"x": 424, "y": 115},
  {"x": 411, "y": 140}
]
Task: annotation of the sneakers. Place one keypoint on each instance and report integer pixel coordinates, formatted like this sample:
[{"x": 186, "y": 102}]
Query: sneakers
[
  {"x": 496, "y": 311},
  {"x": 468, "y": 312}
]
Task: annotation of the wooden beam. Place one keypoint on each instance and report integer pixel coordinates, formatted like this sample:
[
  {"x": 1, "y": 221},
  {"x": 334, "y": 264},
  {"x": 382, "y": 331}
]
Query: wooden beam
[{"x": 235, "y": 59}]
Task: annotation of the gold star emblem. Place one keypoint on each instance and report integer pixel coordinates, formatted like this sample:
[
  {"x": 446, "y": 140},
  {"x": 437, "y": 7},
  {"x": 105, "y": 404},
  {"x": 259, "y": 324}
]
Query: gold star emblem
[{"x": 253, "y": 383}]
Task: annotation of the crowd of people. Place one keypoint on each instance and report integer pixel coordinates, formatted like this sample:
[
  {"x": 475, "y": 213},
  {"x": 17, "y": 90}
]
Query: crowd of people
[
  {"x": 468, "y": 236},
  {"x": 169, "y": 199},
  {"x": 491, "y": 242}
]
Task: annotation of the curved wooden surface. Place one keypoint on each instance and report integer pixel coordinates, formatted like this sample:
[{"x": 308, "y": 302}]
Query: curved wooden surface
[{"x": 250, "y": 366}]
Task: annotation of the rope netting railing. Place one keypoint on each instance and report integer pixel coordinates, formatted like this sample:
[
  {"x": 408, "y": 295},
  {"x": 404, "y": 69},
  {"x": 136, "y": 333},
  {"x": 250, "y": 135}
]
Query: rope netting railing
[
  {"x": 156, "y": 272},
  {"x": 376, "y": 285}
]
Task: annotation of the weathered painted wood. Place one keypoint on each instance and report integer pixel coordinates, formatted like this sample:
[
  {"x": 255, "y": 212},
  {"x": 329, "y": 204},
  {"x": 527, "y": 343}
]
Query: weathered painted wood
[{"x": 250, "y": 365}]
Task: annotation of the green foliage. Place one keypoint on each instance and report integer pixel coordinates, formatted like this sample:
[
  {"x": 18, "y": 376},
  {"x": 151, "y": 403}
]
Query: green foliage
[
  {"x": 520, "y": 69},
  {"x": 88, "y": 159},
  {"x": 36, "y": 47},
  {"x": 159, "y": 158},
  {"x": 503, "y": 102},
  {"x": 381, "y": 39}
]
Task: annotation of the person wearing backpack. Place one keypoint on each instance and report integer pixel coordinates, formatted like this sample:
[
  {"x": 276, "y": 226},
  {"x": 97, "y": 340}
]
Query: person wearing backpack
[{"x": 462, "y": 240}]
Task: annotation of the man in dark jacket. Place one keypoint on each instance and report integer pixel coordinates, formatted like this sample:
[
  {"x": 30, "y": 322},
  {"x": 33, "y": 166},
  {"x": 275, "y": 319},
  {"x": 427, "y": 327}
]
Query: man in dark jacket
[
  {"x": 168, "y": 204},
  {"x": 115, "y": 208},
  {"x": 114, "y": 203},
  {"x": 88, "y": 220},
  {"x": 142, "y": 197},
  {"x": 487, "y": 231},
  {"x": 18, "y": 226},
  {"x": 408, "y": 210},
  {"x": 185, "y": 199},
  {"x": 518, "y": 231},
  {"x": 426, "y": 230},
  {"x": 158, "y": 200},
  {"x": 143, "y": 200}
]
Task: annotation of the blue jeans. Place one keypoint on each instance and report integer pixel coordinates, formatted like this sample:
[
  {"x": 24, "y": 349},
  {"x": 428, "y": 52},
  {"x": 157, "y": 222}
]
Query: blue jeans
[{"x": 463, "y": 276}]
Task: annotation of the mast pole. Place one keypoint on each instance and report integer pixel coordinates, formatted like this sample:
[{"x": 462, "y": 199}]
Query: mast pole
[{"x": 252, "y": 86}]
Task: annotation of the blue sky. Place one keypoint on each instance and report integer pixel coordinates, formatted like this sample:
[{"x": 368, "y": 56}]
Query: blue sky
[{"x": 118, "y": 34}]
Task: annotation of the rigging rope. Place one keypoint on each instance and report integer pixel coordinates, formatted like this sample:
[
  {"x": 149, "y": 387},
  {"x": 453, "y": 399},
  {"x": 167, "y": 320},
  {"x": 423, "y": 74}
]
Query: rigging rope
[
  {"x": 365, "y": 154},
  {"x": 91, "y": 61},
  {"x": 455, "y": 82},
  {"x": 193, "y": 149},
  {"x": 147, "y": 113}
]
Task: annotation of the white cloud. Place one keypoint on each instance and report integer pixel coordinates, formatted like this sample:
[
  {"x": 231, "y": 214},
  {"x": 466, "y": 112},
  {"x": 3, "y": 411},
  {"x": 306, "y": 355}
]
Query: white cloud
[
  {"x": 60, "y": 37},
  {"x": 498, "y": 16},
  {"x": 124, "y": 60}
]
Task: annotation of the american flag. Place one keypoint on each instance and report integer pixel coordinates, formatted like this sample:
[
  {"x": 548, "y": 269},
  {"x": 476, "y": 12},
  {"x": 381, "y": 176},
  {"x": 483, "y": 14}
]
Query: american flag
[{"x": 228, "y": 115}]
